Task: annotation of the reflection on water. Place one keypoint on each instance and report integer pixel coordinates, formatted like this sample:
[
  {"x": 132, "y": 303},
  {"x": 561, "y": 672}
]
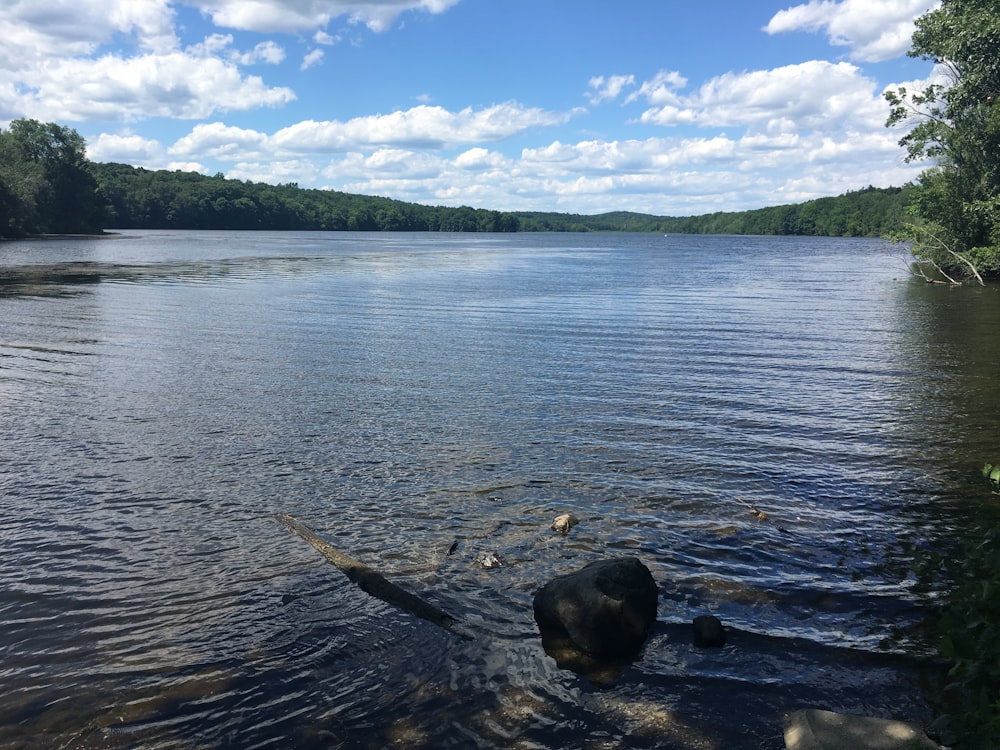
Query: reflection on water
[{"x": 164, "y": 395}]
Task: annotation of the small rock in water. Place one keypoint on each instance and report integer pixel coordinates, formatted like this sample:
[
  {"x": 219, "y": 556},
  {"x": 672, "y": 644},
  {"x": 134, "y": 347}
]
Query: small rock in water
[
  {"x": 562, "y": 524},
  {"x": 708, "y": 632},
  {"x": 489, "y": 560},
  {"x": 328, "y": 737}
]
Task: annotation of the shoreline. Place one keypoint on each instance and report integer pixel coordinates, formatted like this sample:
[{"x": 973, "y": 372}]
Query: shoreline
[{"x": 62, "y": 236}]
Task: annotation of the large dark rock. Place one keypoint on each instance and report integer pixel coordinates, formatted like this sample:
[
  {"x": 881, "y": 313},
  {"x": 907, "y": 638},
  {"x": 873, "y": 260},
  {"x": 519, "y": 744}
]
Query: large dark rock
[{"x": 605, "y": 608}]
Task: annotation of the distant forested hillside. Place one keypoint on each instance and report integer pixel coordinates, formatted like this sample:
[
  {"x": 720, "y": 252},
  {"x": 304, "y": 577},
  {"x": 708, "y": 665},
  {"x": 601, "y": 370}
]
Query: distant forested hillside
[
  {"x": 872, "y": 212},
  {"x": 141, "y": 198},
  {"x": 159, "y": 199},
  {"x": 48, "y": 186}
]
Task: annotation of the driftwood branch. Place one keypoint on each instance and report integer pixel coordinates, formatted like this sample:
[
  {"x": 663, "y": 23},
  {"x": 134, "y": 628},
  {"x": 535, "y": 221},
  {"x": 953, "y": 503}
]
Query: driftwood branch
[
  {"x": 372, "y": 582},
  {"x": 964, "y": 260},
  {"x": 970, "y": 264},
  {"x": 940, "y": 270}
]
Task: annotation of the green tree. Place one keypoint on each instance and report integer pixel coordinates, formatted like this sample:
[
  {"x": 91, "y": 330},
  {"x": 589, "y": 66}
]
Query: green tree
[
  {"x": 21, "y": 182},
  {"x": 956, "y": 206},
  {"x": 47, "y": 185}
]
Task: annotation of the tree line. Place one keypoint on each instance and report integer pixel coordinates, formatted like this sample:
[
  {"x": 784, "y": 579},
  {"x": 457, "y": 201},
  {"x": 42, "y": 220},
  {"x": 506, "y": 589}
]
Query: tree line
[
  {"x": 870, "y": 212},
  {"x": 139, "y": 198},
  {"x": 48, "y": 186}
]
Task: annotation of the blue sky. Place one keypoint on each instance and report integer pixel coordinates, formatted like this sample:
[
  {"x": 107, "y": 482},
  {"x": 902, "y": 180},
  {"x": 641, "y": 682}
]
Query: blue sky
[{"x": 583, "y": 106}]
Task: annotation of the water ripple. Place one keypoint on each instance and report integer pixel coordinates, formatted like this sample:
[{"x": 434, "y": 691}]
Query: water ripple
[{"x": 420, "y": 401}]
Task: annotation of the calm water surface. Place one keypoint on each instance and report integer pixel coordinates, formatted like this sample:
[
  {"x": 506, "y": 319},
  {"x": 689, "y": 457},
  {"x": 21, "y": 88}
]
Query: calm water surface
[{"x": 163, "y": 395}]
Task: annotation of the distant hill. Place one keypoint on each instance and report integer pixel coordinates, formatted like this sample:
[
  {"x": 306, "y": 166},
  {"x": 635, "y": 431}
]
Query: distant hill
[
  {"x": 871, "y": 212},
  {"x": 160, "y": 199}
]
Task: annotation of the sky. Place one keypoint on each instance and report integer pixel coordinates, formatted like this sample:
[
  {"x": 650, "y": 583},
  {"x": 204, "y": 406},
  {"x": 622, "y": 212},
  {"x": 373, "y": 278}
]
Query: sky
[{"x": 667, "y": 107}]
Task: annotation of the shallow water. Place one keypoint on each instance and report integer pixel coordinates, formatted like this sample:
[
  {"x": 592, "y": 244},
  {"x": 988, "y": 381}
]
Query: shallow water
[{"x": 163, "y": 395}]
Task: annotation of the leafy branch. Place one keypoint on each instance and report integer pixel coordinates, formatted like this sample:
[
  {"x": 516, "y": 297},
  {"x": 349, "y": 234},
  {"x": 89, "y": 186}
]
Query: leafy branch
[
  {"x": 954, "y": 122},
  {"x": 928, "y": 244}
]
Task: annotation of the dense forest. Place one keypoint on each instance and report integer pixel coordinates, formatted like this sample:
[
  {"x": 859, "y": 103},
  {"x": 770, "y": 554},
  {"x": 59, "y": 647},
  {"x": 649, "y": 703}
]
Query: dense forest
[
  {"x": 871, "y": 212},
  {"x": 143, "y": 199},
  {"x": 47, "y": 186},
  {"x": 158, "y": 199}
]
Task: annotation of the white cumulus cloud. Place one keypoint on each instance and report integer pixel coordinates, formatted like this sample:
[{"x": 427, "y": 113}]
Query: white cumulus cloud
[
  {"x": 126, "y": 148},
  {"x": 269, "y": 16},
  {"x": 216, "y": 140},
  {"x": 478, "y": 159},
  {"x": 422, "y": 126},
  {"x": 36, "y": 31},
  {"x": 662, "y": 89},
  {"x": 610, "y": 88},
  {"x": 812, "y": 95},
  {"x": 268, "y": 52},
  {"x": 175, "y": 85},
  {"x": 312, "y": 58},
  {"x": 59, "y": 61},
  {"x": 873, "y": 30},
  {"x": 321, "y": 37}
]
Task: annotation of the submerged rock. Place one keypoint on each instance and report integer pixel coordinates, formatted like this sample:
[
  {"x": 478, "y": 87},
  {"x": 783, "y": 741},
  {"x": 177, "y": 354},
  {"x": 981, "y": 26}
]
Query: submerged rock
[
  {"x": 562, "y": 524},
  {"x": 605, "y": 608},
  {"x": 708, "y": 632}
]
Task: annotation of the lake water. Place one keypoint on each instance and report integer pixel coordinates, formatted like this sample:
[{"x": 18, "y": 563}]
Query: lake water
[{"x": 164, "y": 394}]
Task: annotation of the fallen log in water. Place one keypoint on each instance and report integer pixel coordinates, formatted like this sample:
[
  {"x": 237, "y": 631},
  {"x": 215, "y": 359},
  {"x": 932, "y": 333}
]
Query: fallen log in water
[{"x": 371, "y": 581}]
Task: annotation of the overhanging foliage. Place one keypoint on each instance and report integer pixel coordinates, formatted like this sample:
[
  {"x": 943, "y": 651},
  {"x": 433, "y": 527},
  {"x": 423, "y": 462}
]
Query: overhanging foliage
[{"x": 955, "y": 211}]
